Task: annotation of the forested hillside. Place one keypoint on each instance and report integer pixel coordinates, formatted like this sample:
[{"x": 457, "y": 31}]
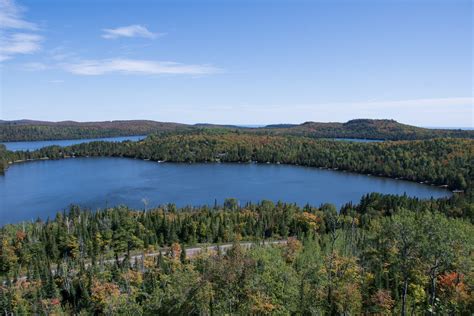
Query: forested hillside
[
  {"x": 362, "y": 128},
  {"x": 369, "y": 129},
  {"x": 439, "y": 161},
  {"x": 386, "y": 255},
  {"x": 27, "y": 130}
]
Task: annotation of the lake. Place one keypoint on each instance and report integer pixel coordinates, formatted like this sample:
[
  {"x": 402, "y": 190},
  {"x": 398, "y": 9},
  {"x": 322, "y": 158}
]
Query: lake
[
  {"x": 34, "y": 145},
  {"x": 41, "y": 188}
]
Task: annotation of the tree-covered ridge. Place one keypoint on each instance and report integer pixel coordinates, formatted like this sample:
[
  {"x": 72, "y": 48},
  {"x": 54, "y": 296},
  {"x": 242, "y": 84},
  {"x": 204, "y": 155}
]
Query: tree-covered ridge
[
  {"x": 373, "y": 258},
  {"x": 26, "y": 130},
  {"x": 38, "y": 130},
  {"x": 437, "y": 161},
  {"x": 366, "y": 128}
]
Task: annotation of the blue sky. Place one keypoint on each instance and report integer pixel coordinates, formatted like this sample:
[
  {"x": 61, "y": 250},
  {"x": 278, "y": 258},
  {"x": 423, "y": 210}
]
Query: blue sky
[{"x": 238, "y": 62}]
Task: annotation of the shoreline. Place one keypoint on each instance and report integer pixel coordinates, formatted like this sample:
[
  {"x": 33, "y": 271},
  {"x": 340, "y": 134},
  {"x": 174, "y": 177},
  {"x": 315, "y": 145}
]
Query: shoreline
[{"x": 424, "y": 182}]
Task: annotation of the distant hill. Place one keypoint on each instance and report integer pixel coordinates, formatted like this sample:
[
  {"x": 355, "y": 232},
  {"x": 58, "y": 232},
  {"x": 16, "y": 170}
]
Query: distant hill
[
  {"x": 24, "y": 130},
  {"x": 367, "y": 128}
]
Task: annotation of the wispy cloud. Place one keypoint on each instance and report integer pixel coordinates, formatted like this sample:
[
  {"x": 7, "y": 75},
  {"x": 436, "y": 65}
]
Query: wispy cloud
[
  {"x": 16, "y": 35},
  {"x": 11, "y": 16},
  {"x": 18, "y": 43},
  {"x": 129, "y": 31},
  {"x": 133, "y": 66}
]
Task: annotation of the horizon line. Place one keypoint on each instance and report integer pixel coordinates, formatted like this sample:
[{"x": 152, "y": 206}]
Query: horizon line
[{"x": 259, "y": 125}]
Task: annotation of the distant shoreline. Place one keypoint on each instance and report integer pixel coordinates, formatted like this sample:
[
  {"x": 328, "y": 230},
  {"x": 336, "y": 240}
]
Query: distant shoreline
[{"x": 381, "y": 129}]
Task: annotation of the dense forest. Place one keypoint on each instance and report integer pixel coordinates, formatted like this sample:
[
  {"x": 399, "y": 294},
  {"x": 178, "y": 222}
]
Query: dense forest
[
  {"x": 5, "y": 158},
  {"x": 365, "y": 128},
  {"x": 386, "y": 255},
  {"x": 438, "y": 161},
  {"x": 26, "y": 130}
]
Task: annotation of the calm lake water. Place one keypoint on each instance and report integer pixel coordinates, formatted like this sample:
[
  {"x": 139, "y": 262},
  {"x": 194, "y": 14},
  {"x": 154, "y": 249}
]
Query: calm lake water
[
  {"x": 41, "y": 188},
  {"x": 16, "y": 146}
]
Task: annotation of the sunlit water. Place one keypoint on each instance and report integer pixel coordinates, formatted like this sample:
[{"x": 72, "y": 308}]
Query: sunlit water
[
  {"x": 41, "y": 188},
  {"x": 17, "y": 146}
]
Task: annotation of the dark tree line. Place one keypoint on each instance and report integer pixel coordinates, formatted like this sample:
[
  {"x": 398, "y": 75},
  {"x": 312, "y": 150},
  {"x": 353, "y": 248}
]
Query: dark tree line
[
  {"x": 437, "y": 161},
  {"x": 40, "y": 130}
]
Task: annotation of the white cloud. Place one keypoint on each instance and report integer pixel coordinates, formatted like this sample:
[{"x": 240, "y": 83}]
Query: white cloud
[
  {"x": 11, "y": 17},
  {"x": 132, "y": 66},
  {"x": 129, "y": 31},
  {"x": 13, "y": 37},
  {"x": 20, "y": 43}
]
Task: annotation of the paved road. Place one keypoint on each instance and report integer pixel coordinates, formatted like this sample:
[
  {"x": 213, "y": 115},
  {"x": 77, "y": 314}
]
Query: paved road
[{"x": 191, "y": 252}]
